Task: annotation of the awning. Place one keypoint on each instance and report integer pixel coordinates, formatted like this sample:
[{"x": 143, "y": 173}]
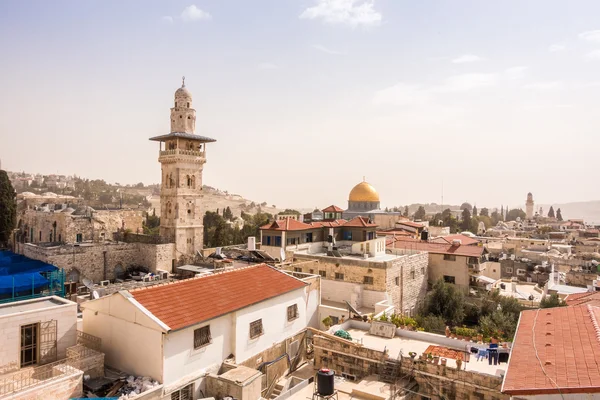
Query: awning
[{"x": 485, "y": 279}]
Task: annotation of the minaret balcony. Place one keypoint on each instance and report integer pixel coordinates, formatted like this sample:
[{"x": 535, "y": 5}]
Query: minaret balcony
[{"x": 181, "y": 152}]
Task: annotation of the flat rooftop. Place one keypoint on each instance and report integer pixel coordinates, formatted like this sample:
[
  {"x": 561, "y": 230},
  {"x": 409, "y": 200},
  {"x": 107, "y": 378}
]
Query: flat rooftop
[
  {"x": 32, "y": 305},
  {"x": 378, "y": 258},
  {"x": 522, "y": 291},
  {"x": 399, "y": 344}
]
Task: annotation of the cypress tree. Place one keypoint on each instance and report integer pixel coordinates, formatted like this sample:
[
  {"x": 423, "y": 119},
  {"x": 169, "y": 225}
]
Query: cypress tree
[{"x": 8, "y": 209}]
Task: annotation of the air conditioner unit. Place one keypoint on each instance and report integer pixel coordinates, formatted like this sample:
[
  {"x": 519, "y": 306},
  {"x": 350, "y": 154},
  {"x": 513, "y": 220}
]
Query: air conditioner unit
[
  {"x": 104, "y": 283},
  {"x": 162, "y": 274},
  {"x": 147, "y": 278}
]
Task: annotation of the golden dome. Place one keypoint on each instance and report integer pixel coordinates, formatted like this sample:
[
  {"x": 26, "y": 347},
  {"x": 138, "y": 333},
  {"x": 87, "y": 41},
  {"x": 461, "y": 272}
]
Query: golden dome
[{"x": 363, "y": 192}]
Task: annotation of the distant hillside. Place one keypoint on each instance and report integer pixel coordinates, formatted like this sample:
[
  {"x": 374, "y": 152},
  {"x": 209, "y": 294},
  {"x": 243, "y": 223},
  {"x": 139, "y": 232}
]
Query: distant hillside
[{"x": 589, "y": 211}]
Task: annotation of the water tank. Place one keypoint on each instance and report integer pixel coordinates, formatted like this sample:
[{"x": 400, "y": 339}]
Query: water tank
[
  {"x": 251, "y": 243},
  {"x": 424, "y": 236},
  {"x": 325, "y": 382}
]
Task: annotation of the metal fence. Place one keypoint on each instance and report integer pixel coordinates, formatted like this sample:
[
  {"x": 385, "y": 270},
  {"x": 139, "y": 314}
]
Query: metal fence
[
  {"x": 89, "y": 341},
  {"x": 33, "y": 376},
  {"x": 54, "y": 287}
]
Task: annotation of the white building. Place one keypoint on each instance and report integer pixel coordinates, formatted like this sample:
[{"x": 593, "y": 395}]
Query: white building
[{"x": 177, "y": 333}]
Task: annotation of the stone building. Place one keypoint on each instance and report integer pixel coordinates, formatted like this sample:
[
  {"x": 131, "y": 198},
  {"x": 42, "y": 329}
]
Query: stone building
[
  {"x": 529, "y": 206},
  {"x": 182, "y": 160}
]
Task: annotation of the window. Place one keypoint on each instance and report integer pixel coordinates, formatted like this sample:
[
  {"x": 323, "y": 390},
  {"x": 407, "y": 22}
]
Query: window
[
  {"x": 368, "y": 280},
  {"x": 188, "y": 104},
  {"x": 79, "y": 238},
  {"x": 449, "y": 257},
  {"x": 339, "y": 277},
  {"x": 323, "y": 274},
  {"x": 509, "y": 270},
  {"x": 422, "y": 270},
  {"x": 334, "y": 320},
  {"x": 256, "y": 329},
  {"x": 292, "y": 312},
  {"x": 277, "y": 241},
  {"x": 311, "y": 271},
  {"x": 185, "y": 393},
  {"x": 412, "y": 274},
  {"x": 297, "y": 269},
  {"x": 202, "y": 336},
  {"x": 29, "y": 344},
  {"x": 40, "y": 236},
  {"x": 449, "y": 279},
  {"x": 397, "y": 280},
  {"x": 309, "y": 237},
  {"x": 347, "y": 235}
]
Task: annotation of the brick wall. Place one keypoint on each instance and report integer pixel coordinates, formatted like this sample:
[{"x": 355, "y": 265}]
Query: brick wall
[{"x": 411, "y": 272}]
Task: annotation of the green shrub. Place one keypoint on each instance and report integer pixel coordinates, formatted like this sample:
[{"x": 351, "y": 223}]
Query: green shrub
[{"x": 431, "y": 323}]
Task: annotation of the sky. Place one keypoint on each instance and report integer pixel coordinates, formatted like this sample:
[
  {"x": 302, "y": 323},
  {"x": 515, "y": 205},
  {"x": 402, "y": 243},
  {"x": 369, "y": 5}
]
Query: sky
[{"x": 480, "y": 101}]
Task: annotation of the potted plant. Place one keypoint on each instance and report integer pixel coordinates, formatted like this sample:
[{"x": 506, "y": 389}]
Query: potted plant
[
  {"x": 412, "y": 355},
  {"x": 443, "y": 360},
  {"x": 327, "y": 321},
  {"x": 430, "y": 357}
]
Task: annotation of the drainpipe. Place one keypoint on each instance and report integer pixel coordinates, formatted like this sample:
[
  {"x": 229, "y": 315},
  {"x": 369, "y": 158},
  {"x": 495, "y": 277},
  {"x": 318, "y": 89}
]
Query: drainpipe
[
  {"x": 402, "y": 290},
  {"x": 104, "y": 256}
]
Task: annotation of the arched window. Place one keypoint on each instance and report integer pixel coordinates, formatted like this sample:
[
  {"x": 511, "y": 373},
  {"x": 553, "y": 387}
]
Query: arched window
[
  {"x": 188, "y": 104},
  {"x": 194, "y": 181},
  {"x": 175, "y": 104},
  {"x": 189, "y": 181},
  {"x": 74, "y": 275},
  {"x": 119, "y": 271},
  {"x": 189, "y": 117},
  {"x": 181, "y": 116}
]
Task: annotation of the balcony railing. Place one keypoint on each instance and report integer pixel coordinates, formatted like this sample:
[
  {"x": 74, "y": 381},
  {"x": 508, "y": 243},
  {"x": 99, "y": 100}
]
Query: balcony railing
[
  {"x": 88, "y": 340},
  {"x": 183, "y": 152}
]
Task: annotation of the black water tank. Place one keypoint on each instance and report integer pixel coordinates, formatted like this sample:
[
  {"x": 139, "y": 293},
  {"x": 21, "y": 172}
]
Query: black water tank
[
  {"x": 325, "y": 382},
  {"x": 424, "y": 235}
]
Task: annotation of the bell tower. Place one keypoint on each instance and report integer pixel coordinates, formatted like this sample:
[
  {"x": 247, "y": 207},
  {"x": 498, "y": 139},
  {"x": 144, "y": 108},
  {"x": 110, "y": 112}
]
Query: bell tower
[{"x": 182, "y": 155}]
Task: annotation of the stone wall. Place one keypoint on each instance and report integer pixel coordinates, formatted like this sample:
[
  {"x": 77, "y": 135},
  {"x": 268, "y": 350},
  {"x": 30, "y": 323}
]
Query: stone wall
[
  {"x": 98, "y": 261},
  {"x": 435, "y": 381},
  {"x": 407, "y": 282},
  {"x": 580, "y": 278}
]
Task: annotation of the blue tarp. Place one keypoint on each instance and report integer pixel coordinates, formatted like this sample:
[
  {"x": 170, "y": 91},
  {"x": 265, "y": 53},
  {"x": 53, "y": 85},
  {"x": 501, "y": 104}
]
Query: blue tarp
[{"x": 19, "y": 274}]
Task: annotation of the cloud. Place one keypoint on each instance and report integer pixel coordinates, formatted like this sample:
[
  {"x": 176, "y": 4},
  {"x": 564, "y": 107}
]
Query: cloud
[
  {"x": 467, "y": 82},
  {"x": 517, "y": 72},
  {"x": 344, "y": 12},
  {"x": 408, "y": 94},
  {"x": 402, "y": 94},
  {"x": 327, "y": 50},
  {"x": 467, "y": 58},
  {"x": 590, "y": 36},
  {"x": 193, "y": 13},
  {"x": 593, "y": 55},
  {"x": 556, "y": 47},
  {"x": 267, "y": 66},
  {"x": 547, "y": 85},
  {"x": 167, "y": 18}
]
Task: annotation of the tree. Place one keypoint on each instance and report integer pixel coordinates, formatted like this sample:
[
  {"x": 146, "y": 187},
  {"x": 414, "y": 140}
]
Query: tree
[
  {"x": 420, "y": 214},
  {"x": 227, "y": 214},
  {"x": 559, "y": 215},
  {"x": 8, "y": 209},
  {"x": 552, "y": 301},
  {"x": 151, "y": 224},
  {"x": 290, "y": 211},
  {"x": 474, "y": 211},
  {"x": 405, "y": 213},
  {"x": 465, "y": 225},
  {"x": 515, "y": 213},
  {"x": 502, "y": 211},
  {"x": 484, "y": 212},
  {"x": 467, "y": 206},
  {"x": 551, "y": 212},
  {"x": 445, "y": 301}
]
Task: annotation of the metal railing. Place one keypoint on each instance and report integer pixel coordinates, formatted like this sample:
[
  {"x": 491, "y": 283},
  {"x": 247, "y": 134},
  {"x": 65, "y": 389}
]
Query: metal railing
[
  {"x": 33, "y": 376},
  {"x": 87, "y": 340},
  {"x": 55, "y": 286}
]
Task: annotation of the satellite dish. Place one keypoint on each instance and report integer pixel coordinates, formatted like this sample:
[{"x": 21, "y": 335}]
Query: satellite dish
[
  {"x": 282, "y": 254},
  {"x": 88, "y": 284},
  {"x": 95, "y": 294}
]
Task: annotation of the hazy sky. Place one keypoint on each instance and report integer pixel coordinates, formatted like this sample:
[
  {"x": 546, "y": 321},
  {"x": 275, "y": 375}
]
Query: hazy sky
[{"x": 494, "y": 99}]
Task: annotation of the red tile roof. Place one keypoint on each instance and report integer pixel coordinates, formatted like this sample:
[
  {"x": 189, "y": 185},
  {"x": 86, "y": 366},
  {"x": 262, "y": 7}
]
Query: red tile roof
[
  {"x": 435, "y": 248},
  {"x": 360, "y": 222},
  {"x": 328, "y": 224},
  {"x": 466, "y": 241},
  {"x": 555, "y": 348},
  {"x": 395, "y": 232},
  {"x": 332, "y": 208},
  {"x": 286, "y": 224},
  {"x": 591, "y": 298},
  {"x": 192, "y": 301}
]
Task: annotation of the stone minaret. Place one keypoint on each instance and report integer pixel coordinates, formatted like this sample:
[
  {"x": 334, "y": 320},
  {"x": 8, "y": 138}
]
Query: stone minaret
[
  {"x": 182, "y": 160},
  {"x": 529, "y": 206}
]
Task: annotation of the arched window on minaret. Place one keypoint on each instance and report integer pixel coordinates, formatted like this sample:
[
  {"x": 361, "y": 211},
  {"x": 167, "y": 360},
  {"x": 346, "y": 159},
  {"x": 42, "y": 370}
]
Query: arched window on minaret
[
  {"x": 175, "y": 104},
  {"x": 188, "y": 104},
  {"x": 193, "y": 181},
  {"x": 189, "y": 181}
]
